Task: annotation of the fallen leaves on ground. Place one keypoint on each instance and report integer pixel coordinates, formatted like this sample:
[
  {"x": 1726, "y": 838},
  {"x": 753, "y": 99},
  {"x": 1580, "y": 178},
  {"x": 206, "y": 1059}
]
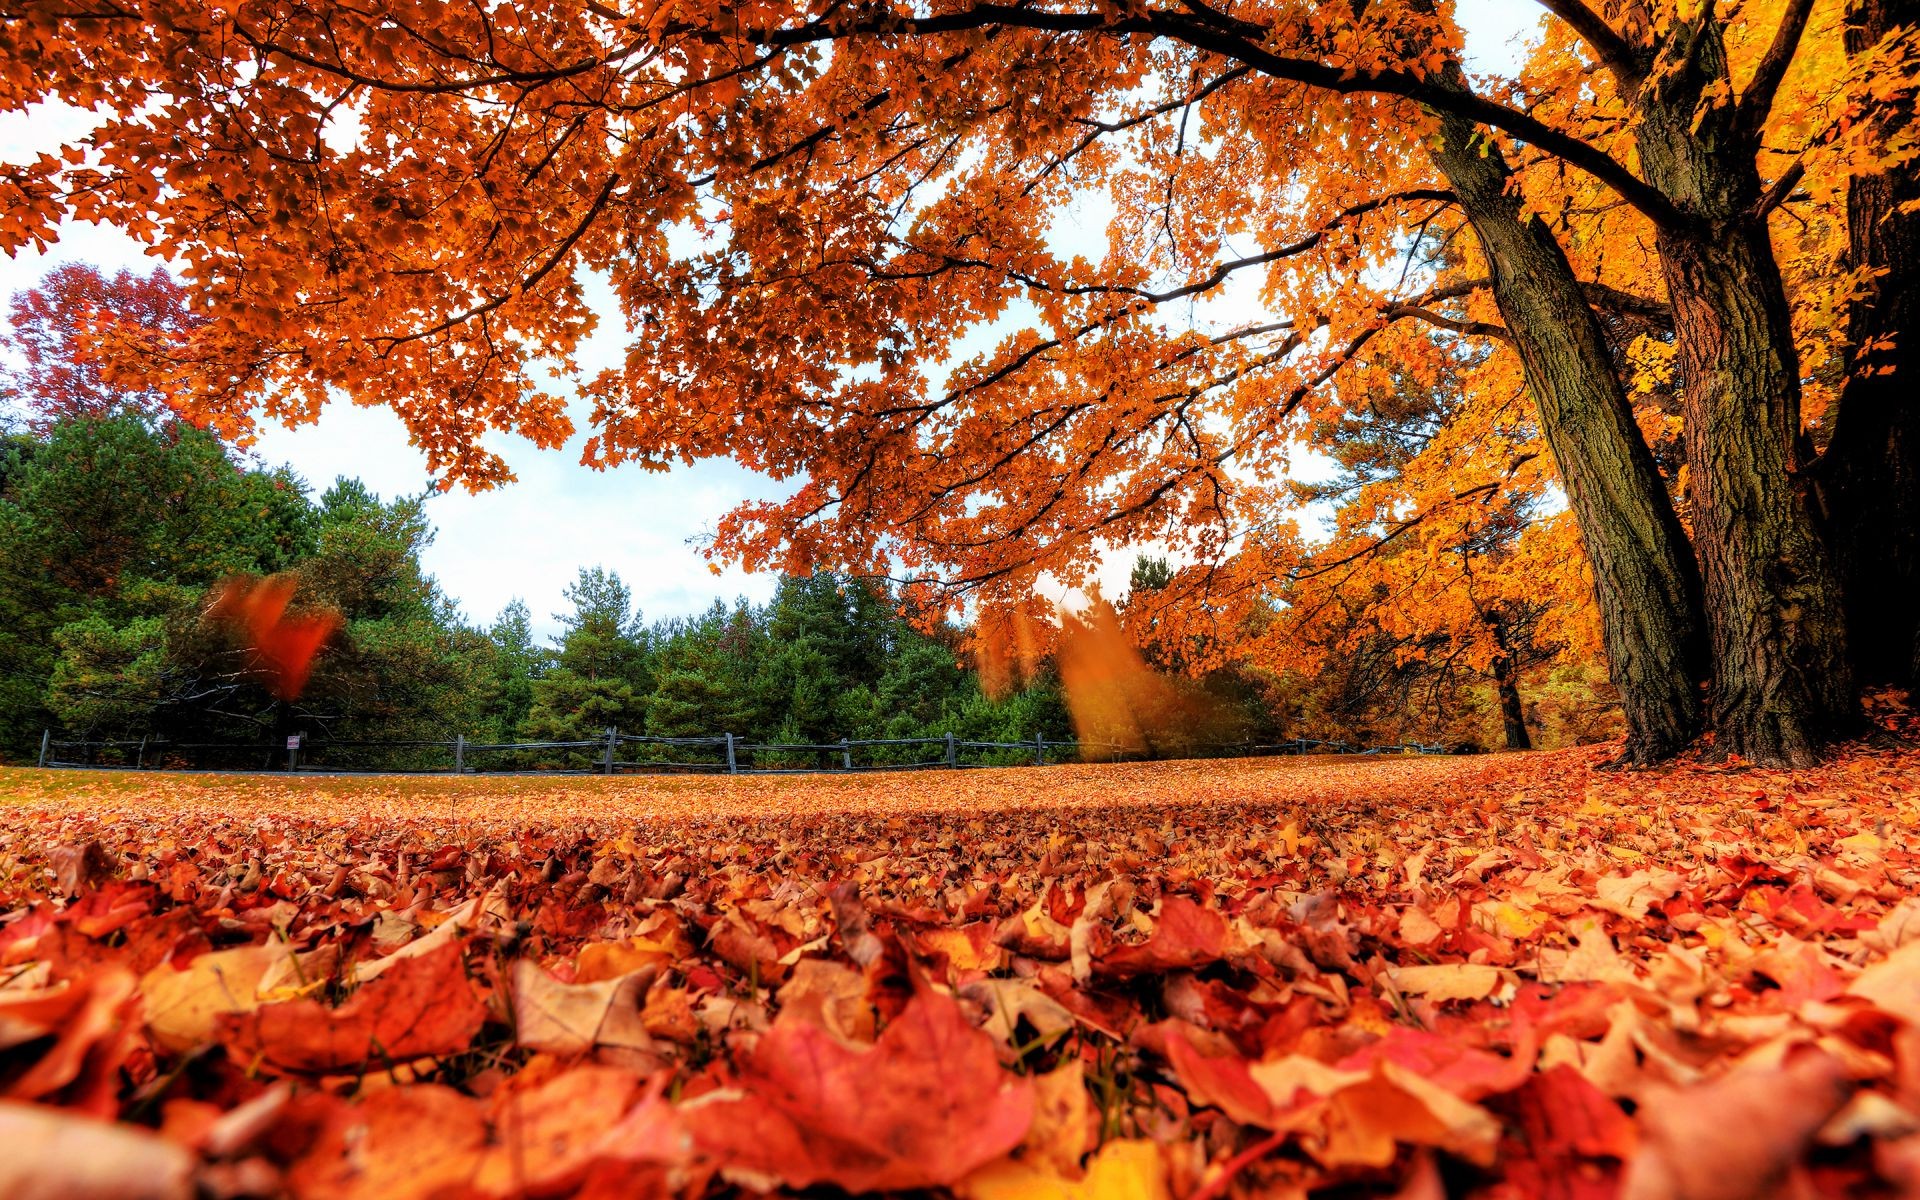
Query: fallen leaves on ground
[{"x": 1504, "y": 977}]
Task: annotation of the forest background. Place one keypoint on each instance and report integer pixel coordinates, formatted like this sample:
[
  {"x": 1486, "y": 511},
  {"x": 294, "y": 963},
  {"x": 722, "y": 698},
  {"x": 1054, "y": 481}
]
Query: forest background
[{"x": 119, "y": 522}]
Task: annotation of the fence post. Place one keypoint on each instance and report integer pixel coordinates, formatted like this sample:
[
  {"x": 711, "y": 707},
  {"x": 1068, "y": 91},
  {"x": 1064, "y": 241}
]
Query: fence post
[
  {"x": 140, "y": 755},
  {"x": 1039, "y": 750},
  {"x": 953, "y": 759},
  {"x": 613, "y": 739},
  {"x": 733, "y": 767},
  {"x": 46, "y": 738},
  {"x": 846, "y": 756},
  {"x": 459, "y": 753},
  {"x": 293, "y": 753}
]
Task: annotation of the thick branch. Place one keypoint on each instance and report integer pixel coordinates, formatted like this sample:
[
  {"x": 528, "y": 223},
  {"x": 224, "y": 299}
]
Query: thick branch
[
  {"x": 1615, "y": 52},
  {"x": 1628, "y": 304},
  {"x": 1782, "y": 188},
  {"x": 1430, "y": 91}
]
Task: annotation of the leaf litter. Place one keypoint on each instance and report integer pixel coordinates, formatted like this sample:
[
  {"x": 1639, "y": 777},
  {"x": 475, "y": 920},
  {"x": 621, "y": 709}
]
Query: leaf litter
[{"x": 1497, "y": 977}]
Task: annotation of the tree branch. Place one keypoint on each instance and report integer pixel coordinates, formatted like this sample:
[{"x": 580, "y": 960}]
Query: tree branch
[
  {"x": 1429, "y": 91},
  {"x": 1628, "y": 304},
  {"x": 1782, "y": 187},
  {"x": 1465, "y": 328},
  {"x": 1615, "y": 52},
  {"x": 1758, "y": 100}
]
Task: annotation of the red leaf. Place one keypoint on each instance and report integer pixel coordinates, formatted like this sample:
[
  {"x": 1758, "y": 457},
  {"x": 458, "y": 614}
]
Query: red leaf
[
  {"x": 1222, "y": 1081},
  {"x": 1735, "y": 1135},
  {"x": 924, "y": 1106},
  {"x": 420, "y": 1006},
  {"x": 1186, "y": 936},
  {"x": 286, "y": 642},
  {"x": 85, "y": 1021},
  {"x": 1466, "y": 1072}
]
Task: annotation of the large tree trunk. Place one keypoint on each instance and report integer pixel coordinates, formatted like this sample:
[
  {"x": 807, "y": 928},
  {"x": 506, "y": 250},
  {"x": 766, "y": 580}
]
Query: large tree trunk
[
  {"x": 1782, "y": 687},
  {"x": 1646, "y": 581},
  {"x": 1869, "y": 478}
]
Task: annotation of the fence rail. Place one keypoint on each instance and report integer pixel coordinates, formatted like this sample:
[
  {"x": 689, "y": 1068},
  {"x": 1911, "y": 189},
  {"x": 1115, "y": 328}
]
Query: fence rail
[{"x": 609, "y": 755}]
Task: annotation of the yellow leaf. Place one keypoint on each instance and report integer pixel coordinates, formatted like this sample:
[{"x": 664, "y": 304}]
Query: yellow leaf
[
  {"x": 182, "y": 1006},
  {"x": 1441, "y": 982},
  {"x": 1122, "y": 1170}
]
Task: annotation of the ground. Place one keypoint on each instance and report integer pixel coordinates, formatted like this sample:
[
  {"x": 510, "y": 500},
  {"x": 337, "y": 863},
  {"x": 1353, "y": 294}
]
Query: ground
[{"x": 1514, "y": 975}]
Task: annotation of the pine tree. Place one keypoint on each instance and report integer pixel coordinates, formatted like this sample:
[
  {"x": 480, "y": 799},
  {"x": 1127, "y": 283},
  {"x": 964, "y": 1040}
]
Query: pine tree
[{"x": 602, "y": 670}]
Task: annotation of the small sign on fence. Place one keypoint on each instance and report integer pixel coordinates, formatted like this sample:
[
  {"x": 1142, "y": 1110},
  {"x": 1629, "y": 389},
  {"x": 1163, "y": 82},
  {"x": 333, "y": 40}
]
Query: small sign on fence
[{"x": 293, "y": 741}]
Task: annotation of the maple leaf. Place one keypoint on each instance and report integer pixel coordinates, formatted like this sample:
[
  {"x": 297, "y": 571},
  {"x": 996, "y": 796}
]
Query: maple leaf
[
  {"x": 183, "y": 1003},
  {"x": 1440, "y": 982},
  {"x": 422, "y": 1006},
  {"x": 1185, "y": 935},
  {"x": 286, "y": 642},
  {"x": 1632, "y": 895},
  {"x": 84, "y": 1023},
  {"x": 1893, "y": 983},
  {"x": 1467, "y": 1072},
  {"x": 1737, "y": 1135},
  {"x": 547, "y": 1135},
  {"x": 924, "y": 1106},
  {"x": 1343, "y": 1116},
  {"x": 563, "y": 1018},
  {"x": 401, "y": 1143}
]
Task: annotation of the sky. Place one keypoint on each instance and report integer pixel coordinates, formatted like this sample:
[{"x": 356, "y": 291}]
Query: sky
[{"x": 529, "y": 539}]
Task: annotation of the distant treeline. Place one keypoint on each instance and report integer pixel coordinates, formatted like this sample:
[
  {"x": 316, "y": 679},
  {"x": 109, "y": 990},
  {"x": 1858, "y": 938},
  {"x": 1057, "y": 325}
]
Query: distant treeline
[{"x": 113, "y": 533}]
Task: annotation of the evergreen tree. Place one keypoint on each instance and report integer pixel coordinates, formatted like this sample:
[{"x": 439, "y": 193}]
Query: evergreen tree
[
  {"x": 602, "y": 670},
  {"x": 707, "y": 666},
  {"x": 404, "y": 667},
  {"x": 517, "y": 664},
  {"x": 117, "y": 527}
]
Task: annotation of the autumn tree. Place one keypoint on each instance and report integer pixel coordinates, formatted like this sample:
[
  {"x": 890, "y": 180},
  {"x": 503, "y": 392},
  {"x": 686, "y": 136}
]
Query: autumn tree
[
  {"x": 1869, "y": 475},
  {"x": 62, "y": 330},
  {"x": 809, "y": 212},
  {"x": 1444, "y": 569}
]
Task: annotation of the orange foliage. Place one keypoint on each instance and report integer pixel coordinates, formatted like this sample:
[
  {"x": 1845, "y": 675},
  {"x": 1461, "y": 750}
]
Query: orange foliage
[
  {"x": 848, "y": 252},
  {"x": 1117, "y": 701},
  {"x": 1009, "y": 642},
  {"x": 831, "y": 240},
  {"x": 285, "y": 642}
]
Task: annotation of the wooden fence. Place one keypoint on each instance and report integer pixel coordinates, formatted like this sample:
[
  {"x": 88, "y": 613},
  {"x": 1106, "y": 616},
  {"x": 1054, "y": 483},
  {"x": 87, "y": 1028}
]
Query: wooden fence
[
  {"x": 614, "y": 753},
  {"x": 624, "y": 753}
]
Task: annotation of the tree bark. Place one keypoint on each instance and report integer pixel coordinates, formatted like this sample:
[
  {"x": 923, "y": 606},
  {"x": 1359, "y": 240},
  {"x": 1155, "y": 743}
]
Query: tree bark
[
  {"x": 1869, "y": 477},
  {"x": 1782, "y": 687},
  {"x": 1646, "y": 581},
  {"x": 1513, "y": 713}
]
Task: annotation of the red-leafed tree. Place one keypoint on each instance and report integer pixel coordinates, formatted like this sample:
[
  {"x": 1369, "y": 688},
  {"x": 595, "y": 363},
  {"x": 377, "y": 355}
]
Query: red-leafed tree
[{"x": 60, "y": 331}]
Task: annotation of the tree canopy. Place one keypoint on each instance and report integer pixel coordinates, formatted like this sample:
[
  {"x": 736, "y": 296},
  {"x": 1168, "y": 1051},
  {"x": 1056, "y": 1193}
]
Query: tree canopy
[{"x": 1677, "y": 239}]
